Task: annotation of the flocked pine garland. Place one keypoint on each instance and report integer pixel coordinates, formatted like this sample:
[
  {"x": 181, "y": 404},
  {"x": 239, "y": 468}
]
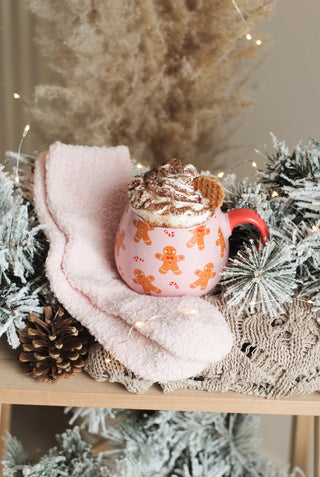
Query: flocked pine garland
[
  {"x": 161, "y": 444},
  {"x": 257, "y": 278},
  {"x": 261, "y": 278},
  {"x": 21, "y": 257}
]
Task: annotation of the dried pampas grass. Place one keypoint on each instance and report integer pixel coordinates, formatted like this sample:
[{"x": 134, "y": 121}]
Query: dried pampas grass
[{"x": 164, "y": 77}]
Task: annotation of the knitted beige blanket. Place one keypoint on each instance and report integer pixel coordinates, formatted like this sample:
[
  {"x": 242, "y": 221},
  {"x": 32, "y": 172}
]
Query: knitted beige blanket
[{"x": 270, "y": 357}]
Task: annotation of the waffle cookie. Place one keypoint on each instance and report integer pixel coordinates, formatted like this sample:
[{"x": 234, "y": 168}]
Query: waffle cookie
[{"x": 211, "y": 188}]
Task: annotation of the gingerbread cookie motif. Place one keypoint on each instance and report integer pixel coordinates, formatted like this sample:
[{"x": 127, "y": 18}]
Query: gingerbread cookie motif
[
  {"x": 145, "y": 282},
  {"x": 204, "y": 276},
  {"x": 170, "y": 260},
  {"x": 198, "y": 235},
  {"x": 142, "y": 231},
  {"x": 120, "y": 241},
  {"x": 220, "y": 242}
]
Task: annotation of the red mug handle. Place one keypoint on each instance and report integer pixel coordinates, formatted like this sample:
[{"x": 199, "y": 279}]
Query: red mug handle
[{"x": 248, "y": 216}]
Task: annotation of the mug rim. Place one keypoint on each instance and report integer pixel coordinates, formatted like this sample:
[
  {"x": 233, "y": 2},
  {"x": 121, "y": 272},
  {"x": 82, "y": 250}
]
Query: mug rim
[{"x": 170, "y": 227}]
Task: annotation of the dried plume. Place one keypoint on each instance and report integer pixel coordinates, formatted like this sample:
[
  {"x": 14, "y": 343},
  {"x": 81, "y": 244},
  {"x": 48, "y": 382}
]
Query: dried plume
[{"x": 162, "y": 77}]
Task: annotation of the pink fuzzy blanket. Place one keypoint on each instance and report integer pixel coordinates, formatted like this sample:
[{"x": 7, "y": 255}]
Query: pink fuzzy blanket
[{"x": 80, "y": 194}]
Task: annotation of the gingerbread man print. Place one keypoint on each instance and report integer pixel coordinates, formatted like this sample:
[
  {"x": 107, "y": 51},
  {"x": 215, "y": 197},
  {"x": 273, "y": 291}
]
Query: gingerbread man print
[
  {"x": 204, "y": 276},
  {"x": 145, "y": 282},
  {"x": 142, "y": 231},
  {"x": 198, "y": 235},
  {"x": 120, "y": 241},
  {"x": 170, "y": 260},
  {"x": 220, "y": 242}
]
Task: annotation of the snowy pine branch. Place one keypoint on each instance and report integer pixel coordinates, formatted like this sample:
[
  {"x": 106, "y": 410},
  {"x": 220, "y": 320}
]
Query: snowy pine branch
[
  {"x": 21, "y": 255},
  {"x": 288, "y": 199},
  {"x": 180, "y": 444},
  {"x": 296, "y": 175},
  {"x": 261, "y": 278},
  {"x": 71, "y": 457}
]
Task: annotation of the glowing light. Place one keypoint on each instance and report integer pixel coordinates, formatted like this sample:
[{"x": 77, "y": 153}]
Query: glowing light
[
  {"x": 190, "y": 312},
  {"x": 310, "y": 301},
  {"x": 107, "y": 360},
  {"x": 139, "y": 166},
  {"x": 275, "y": 194},
  {"x": 221, "y": 174},
  {"x": 24, "y": 134},
  {"x": 254, "y": 164},
  {"x": 314, "y": 228},
  {"x": 140, "y": 324},
  {"x": 26, "y": 130},
  {"x": 248, "y": 35}
]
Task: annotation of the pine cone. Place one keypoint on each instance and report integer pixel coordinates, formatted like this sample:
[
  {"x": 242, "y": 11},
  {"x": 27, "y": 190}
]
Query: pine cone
[{"x": 53, "y": 347}]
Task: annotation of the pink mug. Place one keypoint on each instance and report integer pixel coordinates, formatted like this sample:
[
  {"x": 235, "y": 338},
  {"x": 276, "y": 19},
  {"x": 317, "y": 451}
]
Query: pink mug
[{"x": 163, "y": 261}]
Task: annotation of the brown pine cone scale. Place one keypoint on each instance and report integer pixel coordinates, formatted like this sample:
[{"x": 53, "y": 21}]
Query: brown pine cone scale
[{"x": 53, "y": 347}]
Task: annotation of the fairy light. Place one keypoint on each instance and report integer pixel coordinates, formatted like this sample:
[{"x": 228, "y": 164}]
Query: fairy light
[
  {"x": 314, "y": 228},
  {"x": 248, "y": 34},
  {"x": 275, "y": 194},
  {"x": 24, "y": 134},
  {"x": 221, "y": 174},
  {"x": 139, "y": 324},
  {"x": 188, "y": 311},
  {"x": 254, "y": 164},
  {"x": 139, "y": 166}
]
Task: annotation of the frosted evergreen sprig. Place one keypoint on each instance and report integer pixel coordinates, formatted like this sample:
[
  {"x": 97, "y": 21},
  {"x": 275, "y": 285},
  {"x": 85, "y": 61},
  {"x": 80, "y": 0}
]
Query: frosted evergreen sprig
[
  {"x": 18, "y": 243},
  {"x": 248, "y": 195},
  {"x": 277, "y": 213},
  {"x": 22, "y": 256},
  {"x": 261, "y": 278},
  {"x": 26, "y": 172},
  {"x": 283, "y": 168},
  {"x": 181, "y": 444},
  {"x": 16, "y": 305},
  {"x": 71, "y": 457},
  {"x": 295, "y": 176}
]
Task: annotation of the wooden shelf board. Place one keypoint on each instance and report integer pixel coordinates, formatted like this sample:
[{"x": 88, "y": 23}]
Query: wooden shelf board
[{"x": 83, "y": 391}]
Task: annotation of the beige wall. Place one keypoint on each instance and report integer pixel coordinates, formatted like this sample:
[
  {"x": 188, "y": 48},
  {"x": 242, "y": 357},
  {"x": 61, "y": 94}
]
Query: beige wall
[
  {"x": 286, "y": 86},
  {"x": 20, "y": 69}
]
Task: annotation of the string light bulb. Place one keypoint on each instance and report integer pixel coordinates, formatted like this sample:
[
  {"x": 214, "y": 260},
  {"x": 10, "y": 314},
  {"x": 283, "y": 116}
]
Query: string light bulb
[
  {"x": 139, "y": 324},
  {"x": 248, "y": 34},
  {"x": 221, "y": 174},
  {"x": 254, "y": 164},
  {"x": 275, "y": 194},
  {"x": 24, "y": 134},
  {"x": 188, "y": 311}
]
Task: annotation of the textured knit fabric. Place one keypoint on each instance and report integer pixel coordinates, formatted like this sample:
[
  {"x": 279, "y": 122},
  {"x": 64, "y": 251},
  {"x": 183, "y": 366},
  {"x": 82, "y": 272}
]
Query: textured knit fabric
[
  {"x": 80, "y": 194},
  {"x": 270, "y": 357}
]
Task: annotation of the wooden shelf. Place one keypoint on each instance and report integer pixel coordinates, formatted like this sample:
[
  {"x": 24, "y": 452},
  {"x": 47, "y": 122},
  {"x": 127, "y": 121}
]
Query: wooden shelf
[{"x": 83, "y": 391}]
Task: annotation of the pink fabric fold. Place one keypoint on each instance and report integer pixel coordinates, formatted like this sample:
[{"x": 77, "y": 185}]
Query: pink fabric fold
[{"x": 80, "y": 194}]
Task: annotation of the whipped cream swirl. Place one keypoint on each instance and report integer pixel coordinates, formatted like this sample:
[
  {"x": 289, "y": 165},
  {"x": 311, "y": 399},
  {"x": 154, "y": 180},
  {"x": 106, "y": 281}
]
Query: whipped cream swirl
[{"x": 166, "y": 197}]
